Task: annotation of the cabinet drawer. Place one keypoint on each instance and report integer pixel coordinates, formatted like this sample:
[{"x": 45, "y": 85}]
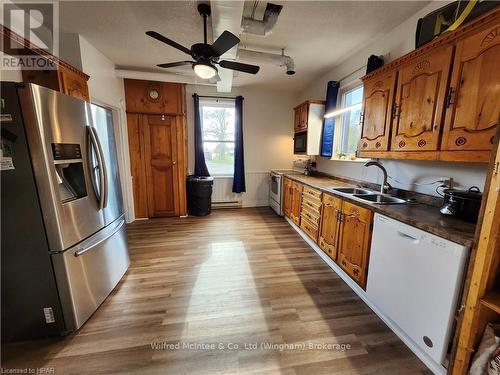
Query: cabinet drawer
[
  {"x": 313, "y": 203},
  {"x": 312, "y": 217},
  {"x": 308, "y": 191},
  {"x": 310, "y": 229},
  {"x": 363, "y": 214}
]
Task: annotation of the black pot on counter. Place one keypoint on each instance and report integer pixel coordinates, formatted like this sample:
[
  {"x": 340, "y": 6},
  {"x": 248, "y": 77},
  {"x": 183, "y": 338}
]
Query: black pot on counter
[{"x": 463, "y": 204}]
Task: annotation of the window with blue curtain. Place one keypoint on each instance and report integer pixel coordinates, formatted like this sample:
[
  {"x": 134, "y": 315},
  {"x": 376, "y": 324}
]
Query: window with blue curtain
[{"x": 332, "y": 92}]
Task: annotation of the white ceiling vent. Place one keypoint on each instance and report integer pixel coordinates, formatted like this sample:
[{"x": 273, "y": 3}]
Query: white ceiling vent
[{"x": 257, "y": 22}]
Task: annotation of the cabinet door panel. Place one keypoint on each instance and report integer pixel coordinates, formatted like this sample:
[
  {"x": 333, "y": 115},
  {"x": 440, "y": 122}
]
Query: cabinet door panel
[
  {"x": 161, "y": 165},
  {"x": 378, "y": 95},
  {"x": 287, "y": 197},
  {"x": 355, "y": 238},
  {"x": 475, "y": 102},
  {"x": 73, "y": 84},
  {"x": 420, "y": 97},
  {"x": 296, "y": 202},
  {"x": 329, "y": 228}
]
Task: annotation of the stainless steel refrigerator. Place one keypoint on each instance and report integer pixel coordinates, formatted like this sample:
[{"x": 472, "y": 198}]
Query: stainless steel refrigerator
[{"x": 63, "y": 238}]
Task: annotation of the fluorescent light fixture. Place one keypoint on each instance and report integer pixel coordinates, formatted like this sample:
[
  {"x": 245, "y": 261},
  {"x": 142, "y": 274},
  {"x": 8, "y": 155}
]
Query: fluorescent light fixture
[
  {"x": 342, "y": 110},
  {"x": 204, "y": 71}
]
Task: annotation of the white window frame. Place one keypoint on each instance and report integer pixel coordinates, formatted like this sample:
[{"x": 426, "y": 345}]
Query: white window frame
[
  {"x": 340, "y": 125},
  {"x": 222, "y": 103}
]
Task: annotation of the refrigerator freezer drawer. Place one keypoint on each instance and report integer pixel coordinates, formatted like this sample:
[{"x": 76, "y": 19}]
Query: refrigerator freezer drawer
[{"x": 88, "y": 272}]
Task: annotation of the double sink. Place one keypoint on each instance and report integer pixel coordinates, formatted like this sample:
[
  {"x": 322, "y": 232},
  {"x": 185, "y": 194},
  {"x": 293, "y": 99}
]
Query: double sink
[{"x": 370, "y": 196}]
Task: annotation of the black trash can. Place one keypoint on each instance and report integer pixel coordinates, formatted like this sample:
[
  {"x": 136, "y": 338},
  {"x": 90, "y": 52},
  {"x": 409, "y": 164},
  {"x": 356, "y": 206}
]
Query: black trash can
[{"x": 199, "y": 195}]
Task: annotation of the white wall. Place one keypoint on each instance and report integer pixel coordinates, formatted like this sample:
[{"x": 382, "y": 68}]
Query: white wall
[
  {"x": 267, "y": 134},
  {"x": 107, "y": 90},
  {"x": 394, "y": 44}
]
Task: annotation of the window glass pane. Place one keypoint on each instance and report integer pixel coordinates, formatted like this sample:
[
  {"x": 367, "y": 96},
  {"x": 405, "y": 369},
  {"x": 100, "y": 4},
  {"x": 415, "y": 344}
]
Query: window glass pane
[
  {"x": 219, "y": 157},
  {"x": 351, "y": 127},
  {"x": 218, "y": 123},
  {"x": 218, "y": 138}
]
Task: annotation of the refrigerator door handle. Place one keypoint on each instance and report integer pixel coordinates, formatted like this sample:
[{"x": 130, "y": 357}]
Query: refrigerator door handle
[
  {"x": 100, "y": 240},
  {"x": 101, "y": 195}
]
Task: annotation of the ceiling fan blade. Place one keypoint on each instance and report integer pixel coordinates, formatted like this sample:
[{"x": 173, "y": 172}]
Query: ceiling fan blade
[
  {"x": 161, "y": 38},
  {"x": 177, "y": 63},
  {"x": 214, "y": 79},
  {"x": 247, "y": 68},
  {"x": 224, "y": 43}
]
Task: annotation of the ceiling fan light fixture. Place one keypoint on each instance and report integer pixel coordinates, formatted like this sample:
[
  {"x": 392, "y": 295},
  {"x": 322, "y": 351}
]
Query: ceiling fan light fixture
[{"x": 204, "y": 70}]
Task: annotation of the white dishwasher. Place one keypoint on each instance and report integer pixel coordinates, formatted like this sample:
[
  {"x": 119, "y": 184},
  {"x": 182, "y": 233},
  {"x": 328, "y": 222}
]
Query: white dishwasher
[{"x": 415, "y": 279}]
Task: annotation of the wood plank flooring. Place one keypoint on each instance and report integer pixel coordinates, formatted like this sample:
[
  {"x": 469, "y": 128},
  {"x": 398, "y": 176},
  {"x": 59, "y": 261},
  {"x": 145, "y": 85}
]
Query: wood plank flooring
[{"x": 231, "y": 279}]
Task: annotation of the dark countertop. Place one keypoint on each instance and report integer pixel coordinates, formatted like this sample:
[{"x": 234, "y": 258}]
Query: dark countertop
[{"x": 419, "y": 215}]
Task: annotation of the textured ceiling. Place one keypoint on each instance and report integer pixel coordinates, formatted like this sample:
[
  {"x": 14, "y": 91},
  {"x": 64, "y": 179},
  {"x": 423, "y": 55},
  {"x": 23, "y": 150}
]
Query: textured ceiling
[{"x": 316, "y": 34}]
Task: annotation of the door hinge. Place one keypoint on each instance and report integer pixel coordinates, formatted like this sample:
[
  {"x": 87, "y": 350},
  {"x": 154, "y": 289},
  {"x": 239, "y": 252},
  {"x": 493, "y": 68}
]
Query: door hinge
[
  {"x": 449, "y": 97},
  {"x": 395, "y": 110}
]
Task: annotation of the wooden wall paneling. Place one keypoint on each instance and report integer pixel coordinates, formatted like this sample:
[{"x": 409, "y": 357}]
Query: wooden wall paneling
[
  {"x": 160, "y": 146},
  {"x": 154, "y": 97},
  {"x": 474, "y": 96},
  {"x": 137, "y": 164},
  {"x": 419, "y": 103}
]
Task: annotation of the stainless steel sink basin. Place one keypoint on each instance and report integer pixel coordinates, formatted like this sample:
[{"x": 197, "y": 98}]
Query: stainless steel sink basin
[
  {"x": 348, "y": 190},
  {"x": 379, "y": 199}
]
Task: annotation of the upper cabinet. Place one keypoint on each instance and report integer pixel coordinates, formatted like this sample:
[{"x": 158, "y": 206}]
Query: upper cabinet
[
  {"x": 439, "y": 102},
  {"x": 154, "y": 97},
  {"x": 378, "y": 98},
  {"x": 474, "y": 92},
  {"x": 308, "y": 119},
  {"x": 418, "y": 108}
]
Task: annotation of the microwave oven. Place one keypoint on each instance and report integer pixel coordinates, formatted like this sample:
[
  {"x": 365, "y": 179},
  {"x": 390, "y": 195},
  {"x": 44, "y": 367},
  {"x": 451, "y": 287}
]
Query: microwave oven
[{"x": 300, "y": 143}]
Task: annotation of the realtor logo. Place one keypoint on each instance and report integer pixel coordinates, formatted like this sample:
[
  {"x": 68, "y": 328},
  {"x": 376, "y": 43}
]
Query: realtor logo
[{"x": 36, "y": 22}]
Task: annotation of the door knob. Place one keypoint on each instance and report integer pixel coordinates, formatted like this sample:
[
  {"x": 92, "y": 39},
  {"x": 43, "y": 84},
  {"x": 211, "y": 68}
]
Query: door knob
[{"x": 174, "y": 162}]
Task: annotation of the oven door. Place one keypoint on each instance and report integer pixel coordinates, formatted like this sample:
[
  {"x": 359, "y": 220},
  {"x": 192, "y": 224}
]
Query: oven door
[
  {"x": 275, "y": 188},
  {"x": 300, "y": 142}
]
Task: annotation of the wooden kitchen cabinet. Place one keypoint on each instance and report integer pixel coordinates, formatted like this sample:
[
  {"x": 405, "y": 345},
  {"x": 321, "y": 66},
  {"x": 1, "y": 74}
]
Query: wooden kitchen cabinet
[
  {"x": 310, "y": 215},
  {"x": 420, "y": 101},
  {"x": 287, "y": 197},
  {"x": 376, "y": 117},
  {"x": 329, "y": 228},
  {"x": 447, "y": 98},
  {"x": 354, "y": 241},
  {"x": 473, "y": 104},
  {"x": 296, "y": 202},
  {"x": 307, "y": 112},
  {"x": 73, "y": 83}
]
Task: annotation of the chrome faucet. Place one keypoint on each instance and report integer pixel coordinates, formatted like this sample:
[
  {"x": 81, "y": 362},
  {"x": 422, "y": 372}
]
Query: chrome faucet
[{"x": 385, "y": 185}]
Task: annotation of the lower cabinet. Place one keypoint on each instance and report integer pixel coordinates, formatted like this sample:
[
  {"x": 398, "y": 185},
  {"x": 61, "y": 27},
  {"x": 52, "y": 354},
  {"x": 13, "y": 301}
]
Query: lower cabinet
[
  {"x": 292, "y": 199},
  {"x": 310, "y": 215},
  {"x": 354, "y": 241},
  {"x": 330, "y": 224}
]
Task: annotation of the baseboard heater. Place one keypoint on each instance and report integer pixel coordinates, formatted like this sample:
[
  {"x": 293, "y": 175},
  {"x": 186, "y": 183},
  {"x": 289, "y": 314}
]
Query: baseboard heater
[{"x": 233, "y": 204}]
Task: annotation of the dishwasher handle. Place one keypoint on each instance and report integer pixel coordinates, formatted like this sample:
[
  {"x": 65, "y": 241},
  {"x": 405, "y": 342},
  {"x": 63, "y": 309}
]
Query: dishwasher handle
[{"x": 408, "y": 237}]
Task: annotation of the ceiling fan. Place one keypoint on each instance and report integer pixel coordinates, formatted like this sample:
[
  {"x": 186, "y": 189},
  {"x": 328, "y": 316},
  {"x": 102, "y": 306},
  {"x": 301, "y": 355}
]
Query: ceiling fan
[{"x": 205, "y": 55}]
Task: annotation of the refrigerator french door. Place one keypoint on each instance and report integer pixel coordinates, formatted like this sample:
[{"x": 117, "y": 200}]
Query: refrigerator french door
[{"x": 73, "y": 160}]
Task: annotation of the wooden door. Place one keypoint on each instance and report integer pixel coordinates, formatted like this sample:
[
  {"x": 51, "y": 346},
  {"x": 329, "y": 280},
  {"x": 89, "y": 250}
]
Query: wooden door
[
  {"x": 137, "y": 164},
  {"x": 474, "y": 101},
  {"x": 419, "y": 103},
  {"x": 329, "y": 227},
  {"x": 287, "y": 197},
  {"x": 73, "y": 84},
  {"x": 296, "y": 202},
  {"x": 160, "y": 150},
  {"x": 378, "y": 98},
  {"x": 354, "y": 243}
]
